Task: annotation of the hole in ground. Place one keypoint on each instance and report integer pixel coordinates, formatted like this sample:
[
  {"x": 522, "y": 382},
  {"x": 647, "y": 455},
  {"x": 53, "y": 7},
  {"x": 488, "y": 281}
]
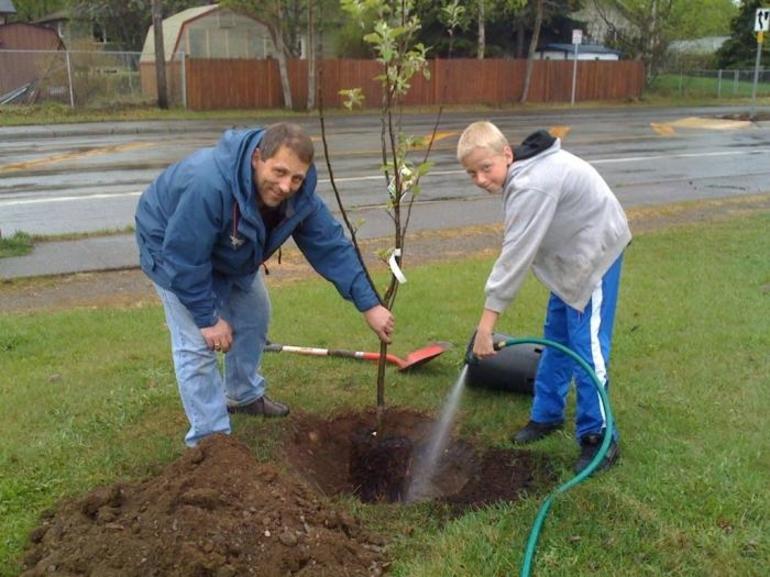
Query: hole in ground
[{"x": 346, "y": 455}]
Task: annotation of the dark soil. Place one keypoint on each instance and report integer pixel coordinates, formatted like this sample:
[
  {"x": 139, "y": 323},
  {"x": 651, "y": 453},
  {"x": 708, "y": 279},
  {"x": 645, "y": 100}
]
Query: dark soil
[
  {"x": 324, "y": 453},
  {"x": 759, "y": 116},
  {"x": 217, "y": 512},
  {"x": 214, "y": 512}
]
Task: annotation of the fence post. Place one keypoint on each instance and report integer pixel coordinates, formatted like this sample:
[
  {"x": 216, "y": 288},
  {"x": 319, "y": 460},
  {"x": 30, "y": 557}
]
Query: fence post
[
  {"x": 69, "y": 78},
  {"x": 184, "y": 79},
  {"x": 681, "y": 83},
  {"x": 735, "y": 81},
  {"x": 719, "y": 84}
]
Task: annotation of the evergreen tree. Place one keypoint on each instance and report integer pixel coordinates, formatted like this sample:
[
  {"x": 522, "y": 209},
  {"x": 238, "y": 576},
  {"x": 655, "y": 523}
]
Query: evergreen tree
[{"x": 740, "y": 51}]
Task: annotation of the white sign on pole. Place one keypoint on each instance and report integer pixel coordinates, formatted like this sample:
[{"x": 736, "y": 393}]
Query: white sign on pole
[
  {"x": 762, "y": 22},
  {"x": 577, "y": 36}
]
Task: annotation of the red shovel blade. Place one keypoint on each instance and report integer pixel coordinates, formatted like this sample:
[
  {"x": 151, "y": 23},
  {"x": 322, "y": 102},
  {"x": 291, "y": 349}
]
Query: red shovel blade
[{"x": 422, "y": 355}]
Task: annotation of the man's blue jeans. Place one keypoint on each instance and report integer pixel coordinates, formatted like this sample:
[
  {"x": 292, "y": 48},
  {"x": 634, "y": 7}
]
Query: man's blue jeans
[{"x": 205, "y": 393}]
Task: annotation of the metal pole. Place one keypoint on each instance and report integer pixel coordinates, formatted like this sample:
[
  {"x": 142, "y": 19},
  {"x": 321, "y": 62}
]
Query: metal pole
[
  {"x": 184, "y": 80},
  {"x": 69, "y": 79},
  {"x": 574, "y": 75},
  {"x": 719, "y": 84},
  {"x": 756, "y": 75},
  {"x": 736, "y": 74}
]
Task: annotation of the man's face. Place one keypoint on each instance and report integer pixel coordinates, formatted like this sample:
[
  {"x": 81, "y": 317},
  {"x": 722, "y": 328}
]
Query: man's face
[
  {"x": 488, "y": 169},
  {"x": 278, "y": 177}
]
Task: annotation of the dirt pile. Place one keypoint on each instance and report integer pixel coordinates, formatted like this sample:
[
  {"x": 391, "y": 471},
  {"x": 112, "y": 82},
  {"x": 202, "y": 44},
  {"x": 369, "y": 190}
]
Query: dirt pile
[{"x": 214, "y": 512}]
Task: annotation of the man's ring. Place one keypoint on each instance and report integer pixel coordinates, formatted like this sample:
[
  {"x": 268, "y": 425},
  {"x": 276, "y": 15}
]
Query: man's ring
[{"x": 217, "y": 347}]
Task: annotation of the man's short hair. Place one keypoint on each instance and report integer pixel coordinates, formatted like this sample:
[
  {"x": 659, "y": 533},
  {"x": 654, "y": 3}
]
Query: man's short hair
[
  {"x": 290, "y": 135},
  {"x": 481, "y": 134}
]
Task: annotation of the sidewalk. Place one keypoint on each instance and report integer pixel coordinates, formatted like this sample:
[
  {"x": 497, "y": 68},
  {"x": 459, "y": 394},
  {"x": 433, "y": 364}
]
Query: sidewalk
[{"x": 71, "y": 256}]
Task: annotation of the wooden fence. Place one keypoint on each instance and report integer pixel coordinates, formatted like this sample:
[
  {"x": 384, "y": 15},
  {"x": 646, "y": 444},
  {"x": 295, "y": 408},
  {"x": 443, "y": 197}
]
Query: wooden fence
[{"x": 242, "y": 84}]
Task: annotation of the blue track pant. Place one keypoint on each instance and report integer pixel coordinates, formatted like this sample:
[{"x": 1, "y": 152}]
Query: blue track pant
[{"x": 589, "y": 334}]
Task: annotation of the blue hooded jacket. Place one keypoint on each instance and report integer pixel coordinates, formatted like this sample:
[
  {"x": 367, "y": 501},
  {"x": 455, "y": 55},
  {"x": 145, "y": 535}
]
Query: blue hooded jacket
[{"x": 187, "y": 218}]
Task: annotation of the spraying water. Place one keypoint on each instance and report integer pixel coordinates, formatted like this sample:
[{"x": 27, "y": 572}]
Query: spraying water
[{"x": 425, "y": 468}]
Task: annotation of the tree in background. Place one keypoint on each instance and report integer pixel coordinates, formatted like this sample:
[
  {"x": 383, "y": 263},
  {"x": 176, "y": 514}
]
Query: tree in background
[
  {"x": 124, "y": 23},
  {"x": 274, "y": 14},
  {"x": 740, "y": 50},
  {"x": 653, "y": 24},
  {"x": 29, "y": 10}
]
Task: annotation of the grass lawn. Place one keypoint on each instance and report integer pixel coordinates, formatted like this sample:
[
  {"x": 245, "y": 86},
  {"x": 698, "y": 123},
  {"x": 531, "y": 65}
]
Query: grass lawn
[
  {"x": 88, "y": 397},
  {"x": 672, "y": 85},
  {"x": 17, "y": 245}
]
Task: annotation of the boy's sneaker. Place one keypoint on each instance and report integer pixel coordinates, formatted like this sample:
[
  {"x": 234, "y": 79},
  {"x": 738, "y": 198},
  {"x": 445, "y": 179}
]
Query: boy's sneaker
[
  {"x": 589, "y": 446},
  {"x": 263, "y": 406},
  {"x": 534, "y": 431}
]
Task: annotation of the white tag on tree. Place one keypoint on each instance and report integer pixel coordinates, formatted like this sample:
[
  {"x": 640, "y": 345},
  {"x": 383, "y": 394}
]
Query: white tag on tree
[{"x": 395, "y": 269}]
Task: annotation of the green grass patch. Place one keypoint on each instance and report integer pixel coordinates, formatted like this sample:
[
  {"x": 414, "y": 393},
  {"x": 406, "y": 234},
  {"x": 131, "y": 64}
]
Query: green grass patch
[
  {"x": 89, "y": 397},
  {"x": 17, "y": 245},
  {"x": 666, "y": 92},
  {"x": 682, "y": 85}
]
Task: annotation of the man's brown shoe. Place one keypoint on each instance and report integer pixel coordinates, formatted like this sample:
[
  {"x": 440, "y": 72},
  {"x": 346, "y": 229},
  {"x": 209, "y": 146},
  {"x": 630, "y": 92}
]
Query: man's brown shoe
[{"x": 261, "y": 407}]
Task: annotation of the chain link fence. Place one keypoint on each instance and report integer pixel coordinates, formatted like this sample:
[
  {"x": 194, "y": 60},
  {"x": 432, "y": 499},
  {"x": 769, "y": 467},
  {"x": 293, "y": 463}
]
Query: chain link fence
[
  {"x": 712, "y": 83},
  {"x": 88, "y": 79}
]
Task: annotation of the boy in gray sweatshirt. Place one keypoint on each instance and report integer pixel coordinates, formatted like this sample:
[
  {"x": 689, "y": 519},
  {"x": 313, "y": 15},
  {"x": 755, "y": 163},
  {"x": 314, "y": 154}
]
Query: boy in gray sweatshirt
[{"x": 563, "y": 222}]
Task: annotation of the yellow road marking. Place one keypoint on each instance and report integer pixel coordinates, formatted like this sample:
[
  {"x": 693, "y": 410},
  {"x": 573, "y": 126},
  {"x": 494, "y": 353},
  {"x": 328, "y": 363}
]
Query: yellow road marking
[
  {"x": 559, "y": 131},
  {"x": 711, "y": 123},
  {"x": 663, "y": 129},
  {"x": 73, "y": 156},
  {"x": 669, "y": 128},
  {"x": 423, "y": 142}
]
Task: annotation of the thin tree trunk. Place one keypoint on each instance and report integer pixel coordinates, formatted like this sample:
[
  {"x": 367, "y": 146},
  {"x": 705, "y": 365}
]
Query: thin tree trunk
[
  {"x": 160, "y": 53},
  {"x": 532, "y": 48},
  {"x": 311, "y": 57},
  {"x": 283, "y": 67},
  {"x": 519, "y": 38},
  {"x": 482, "y": 32}
]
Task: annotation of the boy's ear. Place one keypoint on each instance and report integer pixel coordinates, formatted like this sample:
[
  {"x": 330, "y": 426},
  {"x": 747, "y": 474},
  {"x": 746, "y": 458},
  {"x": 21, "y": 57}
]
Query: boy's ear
[{"x": 508, "y": 152}]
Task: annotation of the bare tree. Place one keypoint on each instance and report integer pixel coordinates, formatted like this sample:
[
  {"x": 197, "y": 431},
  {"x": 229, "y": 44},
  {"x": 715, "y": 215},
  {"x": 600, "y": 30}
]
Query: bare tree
[
  {"x": 538, "y": 5},
  {"x": 160, "y": 53},
  {"x": 482, "y": 45},
  {"x": 270, "y": 13}
]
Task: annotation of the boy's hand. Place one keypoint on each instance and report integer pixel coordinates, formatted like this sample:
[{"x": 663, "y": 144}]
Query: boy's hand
[
  {"x": 381, "y": 321},
  {"x": 483, "y": 345}
]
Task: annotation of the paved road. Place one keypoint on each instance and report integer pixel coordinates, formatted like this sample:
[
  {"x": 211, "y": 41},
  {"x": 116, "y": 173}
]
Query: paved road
[{"x": 87, "y": 177}]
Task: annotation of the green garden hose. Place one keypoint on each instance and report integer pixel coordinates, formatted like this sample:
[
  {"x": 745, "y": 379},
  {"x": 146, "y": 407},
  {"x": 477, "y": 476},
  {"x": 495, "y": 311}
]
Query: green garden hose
[{"x": 537, "y": 526}]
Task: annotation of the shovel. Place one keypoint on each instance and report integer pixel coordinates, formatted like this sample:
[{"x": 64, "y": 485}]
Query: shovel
[{"x": 413, "y": 359}]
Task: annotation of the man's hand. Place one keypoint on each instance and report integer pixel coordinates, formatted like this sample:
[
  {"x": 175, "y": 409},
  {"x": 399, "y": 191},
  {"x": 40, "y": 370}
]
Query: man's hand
[
  {"x": 219, "y": 337},
  {"x": 381, "y": 321}
]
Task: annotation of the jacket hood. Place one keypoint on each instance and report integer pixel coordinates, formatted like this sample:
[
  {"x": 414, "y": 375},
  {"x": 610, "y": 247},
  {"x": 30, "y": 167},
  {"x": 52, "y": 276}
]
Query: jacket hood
[
  {"x": 533, "y": 145},
  {"x": 233, "y": 154}
]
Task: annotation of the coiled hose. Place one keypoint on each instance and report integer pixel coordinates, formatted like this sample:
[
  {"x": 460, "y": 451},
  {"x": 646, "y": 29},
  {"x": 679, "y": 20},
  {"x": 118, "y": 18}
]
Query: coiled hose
[{"x": 534, "y": 534}]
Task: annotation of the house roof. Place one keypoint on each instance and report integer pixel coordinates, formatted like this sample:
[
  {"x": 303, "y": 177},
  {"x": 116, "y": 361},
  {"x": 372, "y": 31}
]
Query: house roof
[
  {"x": 53, "y": 17},
  {"x": 706, "y": 45},
  {"x": 172, "y": 26},
  {"x": 6, "y": 7},
  {"x": 584, "y": 48}
]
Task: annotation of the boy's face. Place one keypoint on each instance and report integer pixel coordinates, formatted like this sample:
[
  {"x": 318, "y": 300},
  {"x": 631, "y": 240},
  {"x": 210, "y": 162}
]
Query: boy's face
[
  {"x": 488, "y": 169},
  {"x": 279, "y": 177}
]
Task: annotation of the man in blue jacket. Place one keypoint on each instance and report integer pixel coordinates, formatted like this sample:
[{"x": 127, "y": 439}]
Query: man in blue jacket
[{"x": 203, "y": 228}]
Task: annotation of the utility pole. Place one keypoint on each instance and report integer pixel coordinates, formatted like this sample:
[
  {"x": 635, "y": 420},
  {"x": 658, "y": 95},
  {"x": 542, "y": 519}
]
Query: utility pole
[{"x": 160, "y": 55}]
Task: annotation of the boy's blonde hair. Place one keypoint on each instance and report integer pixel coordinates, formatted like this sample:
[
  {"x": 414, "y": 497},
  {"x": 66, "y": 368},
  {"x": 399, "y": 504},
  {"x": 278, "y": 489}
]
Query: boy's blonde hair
[{"x": 481, "y": 134}]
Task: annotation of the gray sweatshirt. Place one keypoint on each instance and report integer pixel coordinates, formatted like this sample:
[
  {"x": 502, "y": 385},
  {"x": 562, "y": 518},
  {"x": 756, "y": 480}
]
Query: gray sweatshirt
[{"x": 561, "y": 219}]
